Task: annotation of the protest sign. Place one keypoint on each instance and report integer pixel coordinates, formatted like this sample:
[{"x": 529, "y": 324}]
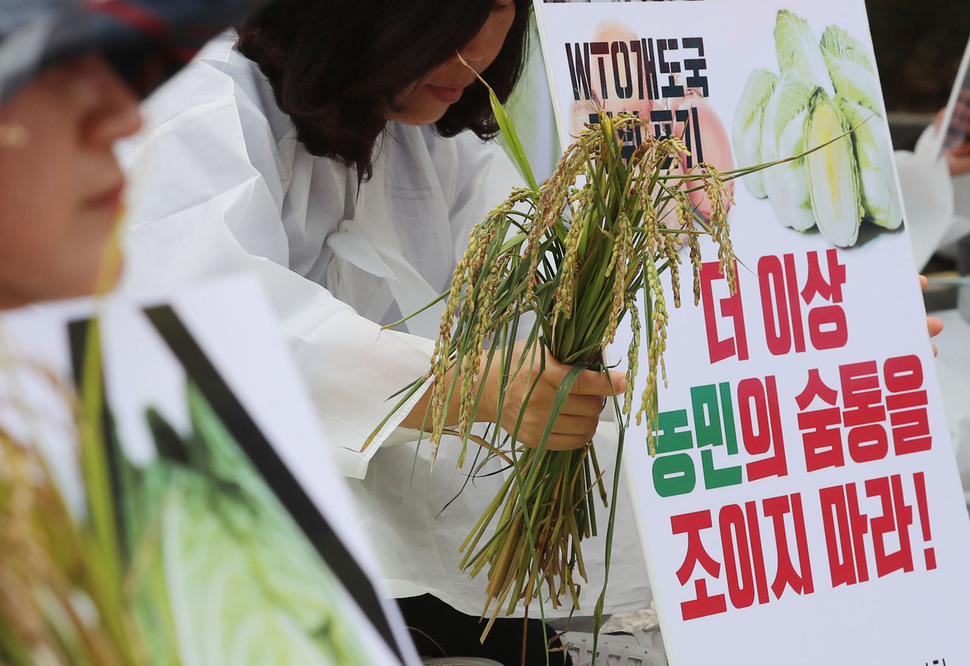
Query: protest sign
[
  {"x": 803, "y": 506},
  {"x": 237, "y": 533},
  {"x": 955, "y": 124}
]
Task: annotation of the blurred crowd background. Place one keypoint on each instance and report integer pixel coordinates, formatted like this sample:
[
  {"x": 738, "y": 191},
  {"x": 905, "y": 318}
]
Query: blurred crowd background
[{"x": 918, "y": 45}]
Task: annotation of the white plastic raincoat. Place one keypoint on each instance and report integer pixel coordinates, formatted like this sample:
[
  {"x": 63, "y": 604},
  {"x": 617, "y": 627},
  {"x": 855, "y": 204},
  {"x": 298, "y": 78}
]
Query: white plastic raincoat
[{"x": 220, "y": 185}]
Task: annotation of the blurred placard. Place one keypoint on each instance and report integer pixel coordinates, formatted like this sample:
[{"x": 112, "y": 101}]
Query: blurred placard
[{"x": 239, "y": 536}]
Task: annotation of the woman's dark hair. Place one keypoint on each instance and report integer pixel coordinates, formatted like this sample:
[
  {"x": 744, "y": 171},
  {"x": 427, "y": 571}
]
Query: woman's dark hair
[{"x": 336, "y": 66}]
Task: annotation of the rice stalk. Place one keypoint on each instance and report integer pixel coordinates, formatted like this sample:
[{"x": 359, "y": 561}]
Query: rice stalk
[
  {"x": 60, "y": 595},
  {"x": 584, "y": 252}
]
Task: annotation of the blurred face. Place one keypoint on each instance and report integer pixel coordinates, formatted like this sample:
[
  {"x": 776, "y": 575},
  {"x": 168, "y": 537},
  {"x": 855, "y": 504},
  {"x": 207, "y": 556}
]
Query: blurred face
[
  {"x": 427, "y": 100},
  {"x": 60, "y": 184}
]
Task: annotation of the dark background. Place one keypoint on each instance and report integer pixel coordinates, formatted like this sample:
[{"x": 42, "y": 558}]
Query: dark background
[{"x": 918, "y": 46}]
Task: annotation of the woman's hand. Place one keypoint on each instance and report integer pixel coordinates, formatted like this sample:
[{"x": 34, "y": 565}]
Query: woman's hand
[
  {"x": 579, "y": 415},
  {"x": 577, "y": 419}
]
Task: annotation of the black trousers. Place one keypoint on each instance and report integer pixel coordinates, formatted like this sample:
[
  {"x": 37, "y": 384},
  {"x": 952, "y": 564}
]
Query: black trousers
[{"x": 439, "y": 630}]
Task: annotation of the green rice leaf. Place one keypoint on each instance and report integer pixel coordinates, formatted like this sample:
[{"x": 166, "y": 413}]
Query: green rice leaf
[{"x": 513, "y": 144}]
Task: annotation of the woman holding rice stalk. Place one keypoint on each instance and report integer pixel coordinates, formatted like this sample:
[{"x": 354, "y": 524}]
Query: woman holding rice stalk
[
  {"x": 71, "y": 74},
  {"x": 325, "y": 147}
]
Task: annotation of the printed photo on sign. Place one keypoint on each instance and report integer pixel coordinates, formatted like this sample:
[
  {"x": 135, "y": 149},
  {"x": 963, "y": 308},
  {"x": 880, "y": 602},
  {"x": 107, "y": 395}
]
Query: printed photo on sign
[
  {"x": 236, "y": 534},
  {"x": 803, "y": 482}
]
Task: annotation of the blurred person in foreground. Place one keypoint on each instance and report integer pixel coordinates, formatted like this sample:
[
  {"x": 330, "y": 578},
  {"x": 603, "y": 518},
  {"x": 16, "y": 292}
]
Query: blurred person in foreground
[
  {"x": 71, "y": 77},
  {"x": 340, "y": 152}
]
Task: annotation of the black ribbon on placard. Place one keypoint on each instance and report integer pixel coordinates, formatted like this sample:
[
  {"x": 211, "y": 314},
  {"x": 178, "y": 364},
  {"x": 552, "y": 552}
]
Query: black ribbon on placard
[{"x": 261, "y": 454}]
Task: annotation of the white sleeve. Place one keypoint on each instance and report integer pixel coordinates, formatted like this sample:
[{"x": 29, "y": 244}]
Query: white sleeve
[
  {"x": 207, "y": 200},
  {"x": 955, "y": 190},
  {"x": 927, "y": 193}
]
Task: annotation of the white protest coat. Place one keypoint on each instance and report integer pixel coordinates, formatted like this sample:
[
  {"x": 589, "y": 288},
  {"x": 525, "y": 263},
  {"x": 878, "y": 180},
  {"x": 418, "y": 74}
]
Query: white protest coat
[
  {"x": 221, "y": 185},
  {"x": 937, "y": 205}
]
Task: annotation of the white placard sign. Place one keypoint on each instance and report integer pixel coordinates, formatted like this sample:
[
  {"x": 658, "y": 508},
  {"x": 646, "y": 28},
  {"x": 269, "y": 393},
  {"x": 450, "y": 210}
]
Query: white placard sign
[
  {"x": 222, "y": 482},
  {"x": 804, "y": 506},
  {"x": 955, "y": 124}
]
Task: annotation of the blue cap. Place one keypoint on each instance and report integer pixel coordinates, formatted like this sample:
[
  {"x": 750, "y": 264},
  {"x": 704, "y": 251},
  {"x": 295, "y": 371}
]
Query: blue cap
[{"x": 147, "y": 41}]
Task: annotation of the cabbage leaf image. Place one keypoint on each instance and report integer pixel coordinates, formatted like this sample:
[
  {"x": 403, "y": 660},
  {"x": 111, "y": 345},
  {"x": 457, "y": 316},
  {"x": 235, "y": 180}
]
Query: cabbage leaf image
[
  {"x": 880, "y": 198},
  {"x": 833, "y": 176},
  {"x": 852, "y": 71},
  {"x": 219, "y": 568},
  {"x": 748, "y": 121},
  {"x": 799, "y": 52},
  {"x": 825, "y": 88},
  {"x": 782, "y": 135}
]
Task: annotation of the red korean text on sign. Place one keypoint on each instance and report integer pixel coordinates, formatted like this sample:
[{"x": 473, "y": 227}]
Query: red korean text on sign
[
  {"x": 743, "y": 533},
  {"x": 863, "y": 413},
  {"x": 703, "y": 603},
  {"x": 788, "y": 573},
  {"x": 870, "y": 396},
  {"x": 884, "y": 532},
  {"x": 783, "y": 299},
  {"x": 761, "y": 431},
  {"x": 723, "y": 315},
  {"x": 906, "y": 403},
  {"x": 820, "y": 427}
]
